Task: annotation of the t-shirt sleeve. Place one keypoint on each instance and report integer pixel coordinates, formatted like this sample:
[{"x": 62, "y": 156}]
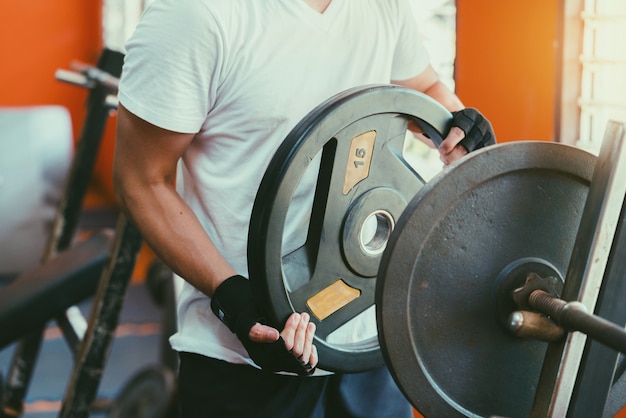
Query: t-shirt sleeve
[
  {"x": 410, "y": 57},
  {"x": 170, "y": 65}
]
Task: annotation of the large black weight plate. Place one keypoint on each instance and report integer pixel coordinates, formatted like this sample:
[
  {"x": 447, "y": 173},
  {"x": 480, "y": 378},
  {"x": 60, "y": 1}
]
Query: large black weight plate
[
  {"x": 500, "y": 209},
  {"x": 345, "y": 161}
]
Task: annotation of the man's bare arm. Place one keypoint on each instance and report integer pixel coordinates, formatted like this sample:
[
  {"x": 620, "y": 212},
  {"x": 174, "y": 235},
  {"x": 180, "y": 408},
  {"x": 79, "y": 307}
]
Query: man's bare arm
[{"x": 144, "y": 171}]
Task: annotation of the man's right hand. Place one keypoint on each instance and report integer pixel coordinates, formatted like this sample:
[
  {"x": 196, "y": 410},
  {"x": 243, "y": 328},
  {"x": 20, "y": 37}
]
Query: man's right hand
[
  {"x": 291, "y": 350},
  {"x": 297, "y": 336}
]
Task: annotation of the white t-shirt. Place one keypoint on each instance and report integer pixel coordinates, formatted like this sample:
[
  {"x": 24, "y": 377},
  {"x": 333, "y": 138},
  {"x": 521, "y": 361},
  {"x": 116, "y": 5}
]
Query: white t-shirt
[{"x": 242, "y": 73}]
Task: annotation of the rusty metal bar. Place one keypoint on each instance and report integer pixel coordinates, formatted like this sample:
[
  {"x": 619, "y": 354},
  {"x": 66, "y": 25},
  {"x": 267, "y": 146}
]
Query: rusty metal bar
[{"x": 83, "y": 386}]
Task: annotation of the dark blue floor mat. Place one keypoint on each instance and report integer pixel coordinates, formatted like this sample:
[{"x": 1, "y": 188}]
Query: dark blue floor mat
[{"x": 136, "y": 346}]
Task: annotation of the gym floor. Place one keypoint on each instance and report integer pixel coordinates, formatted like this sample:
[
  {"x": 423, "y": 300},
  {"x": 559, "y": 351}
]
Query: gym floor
[{"x": 135, "y": 347}]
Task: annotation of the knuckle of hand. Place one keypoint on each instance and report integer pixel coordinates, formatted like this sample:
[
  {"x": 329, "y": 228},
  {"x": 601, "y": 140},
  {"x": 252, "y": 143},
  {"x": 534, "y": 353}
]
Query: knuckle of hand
[
  {"x": 254, "y": 333},
  {"x": 456, "y": 132}
]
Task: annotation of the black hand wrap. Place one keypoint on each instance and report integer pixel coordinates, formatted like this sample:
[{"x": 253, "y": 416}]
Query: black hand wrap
[
  {"x": 234, "y": 305},
  {"x": 478, "y": 130}
]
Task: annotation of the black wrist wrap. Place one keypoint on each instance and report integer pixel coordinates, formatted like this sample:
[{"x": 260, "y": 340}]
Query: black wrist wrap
[
  {"x": 478, "y": 130},
  {"x": 233, "y": 303}
]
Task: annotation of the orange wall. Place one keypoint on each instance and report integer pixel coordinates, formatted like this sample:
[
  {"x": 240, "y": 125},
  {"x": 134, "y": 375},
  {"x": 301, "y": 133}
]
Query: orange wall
[
  {"x": 39, "y": 37},
  {"x": 506, "y": 64}
]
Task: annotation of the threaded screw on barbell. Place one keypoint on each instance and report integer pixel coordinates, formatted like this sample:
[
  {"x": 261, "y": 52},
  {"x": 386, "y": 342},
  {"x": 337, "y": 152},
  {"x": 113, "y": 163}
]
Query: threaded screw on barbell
[{"x": 573, "y": 316}]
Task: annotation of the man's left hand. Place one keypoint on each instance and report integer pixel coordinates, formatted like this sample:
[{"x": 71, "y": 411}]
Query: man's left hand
[{"x": 470, "y": 131}]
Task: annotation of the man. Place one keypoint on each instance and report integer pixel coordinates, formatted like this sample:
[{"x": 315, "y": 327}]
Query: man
[{"x": 209, "y": 89}]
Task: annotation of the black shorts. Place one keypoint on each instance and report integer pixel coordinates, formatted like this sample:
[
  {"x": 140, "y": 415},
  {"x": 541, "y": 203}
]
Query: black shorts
[{"x": 214, "y": 388}]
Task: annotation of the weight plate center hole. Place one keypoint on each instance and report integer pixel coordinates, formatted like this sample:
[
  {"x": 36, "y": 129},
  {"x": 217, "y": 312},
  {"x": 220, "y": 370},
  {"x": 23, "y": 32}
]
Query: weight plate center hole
[{"x": 375, "y": 232}]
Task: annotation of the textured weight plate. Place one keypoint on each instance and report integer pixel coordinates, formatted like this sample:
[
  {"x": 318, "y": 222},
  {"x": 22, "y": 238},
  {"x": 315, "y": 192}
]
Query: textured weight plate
[
  {"x": 343, "y": 166},
  {"x": 507, "y": 208}
]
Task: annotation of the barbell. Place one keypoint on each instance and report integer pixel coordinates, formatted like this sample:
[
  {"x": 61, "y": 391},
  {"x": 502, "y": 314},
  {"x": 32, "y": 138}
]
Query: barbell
[
  {"x": 510, "y": 233},
  {"x": 474, "y": 282}
]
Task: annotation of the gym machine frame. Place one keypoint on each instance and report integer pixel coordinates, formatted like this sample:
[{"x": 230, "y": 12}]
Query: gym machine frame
[{"x": 110, "y": 272}]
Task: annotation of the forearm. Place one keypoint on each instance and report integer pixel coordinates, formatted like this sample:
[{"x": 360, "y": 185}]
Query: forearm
[
  {"x": 441, "y": 93},
  {"x": 144, "y": 172},
  {"x": 428, "y": 82},
  {"x": 174, "y": 233}
]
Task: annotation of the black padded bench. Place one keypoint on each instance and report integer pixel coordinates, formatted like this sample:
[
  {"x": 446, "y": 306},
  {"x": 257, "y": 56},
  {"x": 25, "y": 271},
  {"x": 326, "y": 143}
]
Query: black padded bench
[{"x": 45, "y": 292}]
